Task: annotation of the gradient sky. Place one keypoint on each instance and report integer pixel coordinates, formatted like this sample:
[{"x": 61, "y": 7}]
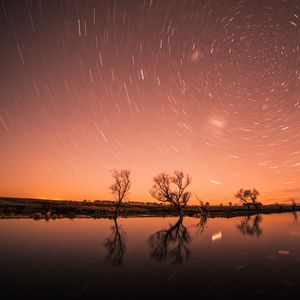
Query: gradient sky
[{"x": 208, "y": 87}]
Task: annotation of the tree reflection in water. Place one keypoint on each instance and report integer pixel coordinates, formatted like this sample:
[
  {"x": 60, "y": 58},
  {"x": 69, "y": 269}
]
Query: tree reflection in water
[
  {"x": 115, "y": 245},
  {"x": 251, "y": 225},
  {"x": 171, "y": 243},
  {"x": 295, "y": 216},
  {"x": 202, "y": 222}
]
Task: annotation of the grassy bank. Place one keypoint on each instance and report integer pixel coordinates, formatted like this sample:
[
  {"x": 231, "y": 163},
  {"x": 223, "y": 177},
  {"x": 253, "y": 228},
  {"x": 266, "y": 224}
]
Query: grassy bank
[{"x": 52, "y": 209}]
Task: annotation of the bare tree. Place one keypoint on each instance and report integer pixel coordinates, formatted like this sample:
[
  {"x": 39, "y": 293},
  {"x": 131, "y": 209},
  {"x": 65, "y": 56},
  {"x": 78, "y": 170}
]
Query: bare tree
[
  {"x": 247, "y": 197},
  {"x": 202, "y": 207},
  {"x": 120, "y": 187},
  {"x": 253, "y": 196},
  {"x": 171, "y": 189},
  {"x": 293, "y": 203},
  {"x": 241, "y": 195}
]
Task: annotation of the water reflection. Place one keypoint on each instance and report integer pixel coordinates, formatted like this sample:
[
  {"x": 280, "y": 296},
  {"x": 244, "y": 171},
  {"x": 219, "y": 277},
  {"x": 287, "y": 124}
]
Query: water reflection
[
  {"x": 172, "y": 243},
  {"x": 251, "y": 225},
  {"x": 295, "y": 216},
  {"x": 115, "y": 245},
  {"x": 202, "y": 223},
  {"x": 62, "y": 259}
]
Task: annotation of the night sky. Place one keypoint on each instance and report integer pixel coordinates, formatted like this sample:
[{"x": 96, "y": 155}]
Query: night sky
[{"x": 209, "y": 87}]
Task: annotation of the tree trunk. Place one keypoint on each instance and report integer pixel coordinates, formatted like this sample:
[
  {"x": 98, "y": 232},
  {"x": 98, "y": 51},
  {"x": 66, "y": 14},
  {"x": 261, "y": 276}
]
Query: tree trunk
[
  {"x": 255, "y": 205},
  {"x": 179, "y": 208},
  {"x": 117, "y": 208}
]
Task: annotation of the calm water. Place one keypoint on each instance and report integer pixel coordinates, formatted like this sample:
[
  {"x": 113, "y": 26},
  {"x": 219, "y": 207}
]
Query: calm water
[{"x": 150, "y": 257}]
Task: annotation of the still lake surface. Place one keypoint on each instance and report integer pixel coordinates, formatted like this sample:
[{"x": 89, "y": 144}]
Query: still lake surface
[{"x": 138, "y": 258}]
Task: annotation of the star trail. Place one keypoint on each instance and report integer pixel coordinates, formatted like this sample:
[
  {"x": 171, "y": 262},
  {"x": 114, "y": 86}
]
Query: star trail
[{"x": 208, "y": 87}]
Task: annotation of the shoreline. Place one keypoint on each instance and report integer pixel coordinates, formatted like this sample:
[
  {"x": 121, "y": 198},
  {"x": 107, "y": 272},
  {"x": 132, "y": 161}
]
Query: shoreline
[{"x": 13, "y": 208}]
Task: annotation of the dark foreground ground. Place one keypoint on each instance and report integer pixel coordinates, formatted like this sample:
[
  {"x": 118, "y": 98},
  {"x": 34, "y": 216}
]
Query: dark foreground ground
[{"x": 52, "y": 209}]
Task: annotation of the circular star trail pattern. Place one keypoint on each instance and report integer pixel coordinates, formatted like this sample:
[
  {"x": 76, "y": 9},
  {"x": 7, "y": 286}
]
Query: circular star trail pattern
[{"x": 207, "y": 87}]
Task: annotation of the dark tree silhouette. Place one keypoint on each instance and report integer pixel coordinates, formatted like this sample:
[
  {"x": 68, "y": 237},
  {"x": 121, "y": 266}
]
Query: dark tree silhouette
[
  {"x": 171, "y": 243},
  {"x": 115, "y": 245},
  {"x": 202, "y": 222},
  {"x": 248, "y": 197},
  {"x": 250, "y": 225},
  {"x": 120, "y": 187},
  {"x": 202, "y": 207},
  {"x": 293, "y": 203},
  {"x": 171, "y": 189}
]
